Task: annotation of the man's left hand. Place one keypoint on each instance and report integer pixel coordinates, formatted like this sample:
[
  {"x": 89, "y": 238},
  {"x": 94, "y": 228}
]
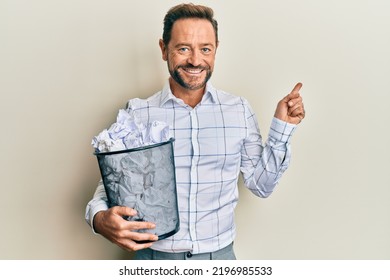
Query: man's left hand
[{"x": 290, "y": 109}]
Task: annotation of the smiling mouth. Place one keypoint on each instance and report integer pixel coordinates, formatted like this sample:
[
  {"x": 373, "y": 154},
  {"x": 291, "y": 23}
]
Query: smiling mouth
[{"x": 193, "y": 71}]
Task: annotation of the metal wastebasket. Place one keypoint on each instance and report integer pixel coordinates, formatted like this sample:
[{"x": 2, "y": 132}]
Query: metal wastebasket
[{"x": 143, "y": 179}]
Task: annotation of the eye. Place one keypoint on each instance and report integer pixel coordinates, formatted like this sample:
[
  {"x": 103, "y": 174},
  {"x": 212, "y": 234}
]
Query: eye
[
  {"x": 206, "y": 50},
  {"x": 183, "y": 49}
]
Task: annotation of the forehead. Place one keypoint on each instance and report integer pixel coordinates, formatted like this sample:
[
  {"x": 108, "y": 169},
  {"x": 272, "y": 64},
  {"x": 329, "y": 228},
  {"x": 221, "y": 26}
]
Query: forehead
[{"x": 193, "y": 29}]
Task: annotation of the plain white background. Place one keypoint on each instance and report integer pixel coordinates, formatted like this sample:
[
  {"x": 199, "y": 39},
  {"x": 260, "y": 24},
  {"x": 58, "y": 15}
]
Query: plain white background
[{"x": 67, "y": 67}]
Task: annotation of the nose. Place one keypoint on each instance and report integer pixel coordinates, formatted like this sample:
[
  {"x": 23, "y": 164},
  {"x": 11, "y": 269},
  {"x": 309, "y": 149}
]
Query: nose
[{"x": 195, "y": 58}]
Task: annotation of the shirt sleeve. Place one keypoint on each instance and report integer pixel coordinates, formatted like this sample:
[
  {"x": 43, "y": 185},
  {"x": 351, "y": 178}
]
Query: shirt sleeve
[
  {"x": 262, "y": 165},
  {"x": 99, "y": 202}
]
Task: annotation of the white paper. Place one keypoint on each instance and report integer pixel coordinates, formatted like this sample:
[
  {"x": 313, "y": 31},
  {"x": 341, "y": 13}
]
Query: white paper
[{"x": 128, "y": 132}]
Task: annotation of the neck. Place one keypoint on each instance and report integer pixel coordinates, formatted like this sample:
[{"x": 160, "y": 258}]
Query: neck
[{"x": 190, "y": 97}]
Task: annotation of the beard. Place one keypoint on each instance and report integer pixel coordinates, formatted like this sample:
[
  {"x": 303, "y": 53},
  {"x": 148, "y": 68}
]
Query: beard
[{"x": 190, "y": 84}]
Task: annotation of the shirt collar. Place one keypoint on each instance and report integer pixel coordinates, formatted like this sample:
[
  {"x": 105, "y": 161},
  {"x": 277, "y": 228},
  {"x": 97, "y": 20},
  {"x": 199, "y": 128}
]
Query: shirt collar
[{"x": 210, "y": 95}]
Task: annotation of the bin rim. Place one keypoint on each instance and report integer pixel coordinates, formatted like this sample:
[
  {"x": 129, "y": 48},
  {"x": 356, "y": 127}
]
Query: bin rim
[{"x": 171, "y": 140}]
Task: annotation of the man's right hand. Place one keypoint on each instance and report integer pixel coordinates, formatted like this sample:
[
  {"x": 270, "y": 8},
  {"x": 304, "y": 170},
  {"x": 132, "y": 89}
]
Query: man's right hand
[{"x": 111, "y": 225}]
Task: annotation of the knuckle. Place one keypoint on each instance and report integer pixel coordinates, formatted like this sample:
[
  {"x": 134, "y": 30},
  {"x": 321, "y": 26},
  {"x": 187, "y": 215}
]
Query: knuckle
[
  {"x": 121, "y": 234},
  {"x": 135, "y": 225},
  {"x": 132, "y": 246},
  {"x": 120, "y": 227}
]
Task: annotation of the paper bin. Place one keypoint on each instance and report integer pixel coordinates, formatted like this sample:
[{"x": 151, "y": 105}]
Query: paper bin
[{"x": 143, "y": 179}]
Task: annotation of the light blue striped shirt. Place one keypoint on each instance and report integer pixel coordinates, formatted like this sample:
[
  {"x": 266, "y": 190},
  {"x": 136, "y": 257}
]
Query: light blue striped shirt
[{"x": 214, "y": 142}]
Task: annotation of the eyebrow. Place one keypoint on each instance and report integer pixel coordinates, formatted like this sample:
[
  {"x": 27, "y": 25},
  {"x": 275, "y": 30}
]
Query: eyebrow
[{"x": 189, "y": 44}]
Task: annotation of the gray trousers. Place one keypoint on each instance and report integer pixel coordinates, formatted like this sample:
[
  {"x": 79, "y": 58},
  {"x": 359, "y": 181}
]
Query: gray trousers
[{"x": 226, "y": 253}]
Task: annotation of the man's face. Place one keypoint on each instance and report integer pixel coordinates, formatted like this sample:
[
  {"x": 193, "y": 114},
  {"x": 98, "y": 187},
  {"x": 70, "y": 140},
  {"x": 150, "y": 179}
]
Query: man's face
[{"x": 190, "y": 53}]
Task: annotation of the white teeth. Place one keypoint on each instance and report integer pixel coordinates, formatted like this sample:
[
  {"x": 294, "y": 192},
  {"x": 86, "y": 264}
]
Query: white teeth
[{"x": 197, "y": 71}]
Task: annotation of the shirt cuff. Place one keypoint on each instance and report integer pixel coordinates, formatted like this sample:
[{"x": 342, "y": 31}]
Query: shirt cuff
[
  {"x": 102, "y": 206},
  {"x": 281, "y": 130}
]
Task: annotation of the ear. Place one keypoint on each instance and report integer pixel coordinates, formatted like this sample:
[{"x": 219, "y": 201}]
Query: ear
[{"x": 164, "y": 51}]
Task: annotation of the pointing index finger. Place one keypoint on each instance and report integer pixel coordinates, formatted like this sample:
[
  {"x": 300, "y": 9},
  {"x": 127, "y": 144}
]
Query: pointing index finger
[{"x": 297, "y": 87}]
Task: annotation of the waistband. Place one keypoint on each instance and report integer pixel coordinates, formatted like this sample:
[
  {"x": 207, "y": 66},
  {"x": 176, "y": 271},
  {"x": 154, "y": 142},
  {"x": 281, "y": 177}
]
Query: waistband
[{"x": 226, "y": 253}]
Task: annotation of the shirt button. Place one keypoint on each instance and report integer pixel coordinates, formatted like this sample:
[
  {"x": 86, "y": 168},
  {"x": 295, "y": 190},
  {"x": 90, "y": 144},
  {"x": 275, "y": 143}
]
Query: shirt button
[{"x": 189, "y": 255}]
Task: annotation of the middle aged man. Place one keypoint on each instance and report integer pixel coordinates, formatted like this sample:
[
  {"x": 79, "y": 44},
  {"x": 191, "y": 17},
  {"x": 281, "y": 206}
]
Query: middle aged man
[{"x": 217, "y": 137}]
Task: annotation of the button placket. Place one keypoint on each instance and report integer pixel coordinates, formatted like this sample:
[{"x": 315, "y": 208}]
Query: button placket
[{"x": 194, "y": 174}]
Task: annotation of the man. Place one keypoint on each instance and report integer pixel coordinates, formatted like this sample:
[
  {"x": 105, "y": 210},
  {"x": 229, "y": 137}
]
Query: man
[{"x": 217, "y": 137}]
